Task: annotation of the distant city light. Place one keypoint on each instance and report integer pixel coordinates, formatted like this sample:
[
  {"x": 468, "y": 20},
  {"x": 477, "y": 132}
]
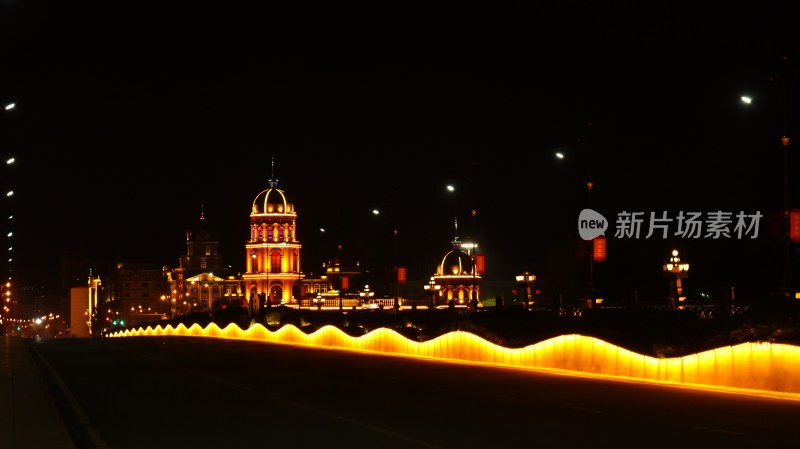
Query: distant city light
[
  {"x": 376, "y": 212},
  {"x": 560, "y": 155},
  {"x": 746, "y": 99},
  {"x": 10, "y": 161},
  {"x": 450, "y": 188},
  {"x": 321, "y": 229},
  {"x": 10, "y": 106},
  {"x": 10, "y": 192}
]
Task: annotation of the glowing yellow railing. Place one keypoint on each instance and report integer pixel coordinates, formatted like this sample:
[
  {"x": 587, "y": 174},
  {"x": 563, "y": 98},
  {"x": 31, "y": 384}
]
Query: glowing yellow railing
[{"x": 766, "y": 367}]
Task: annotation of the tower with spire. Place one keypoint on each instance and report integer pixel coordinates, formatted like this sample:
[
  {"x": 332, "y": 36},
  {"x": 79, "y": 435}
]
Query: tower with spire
[
  {"x": 273, "y": 275},
  {"x": 458, "y": 276},
  {"x": 201, "y": 282}
]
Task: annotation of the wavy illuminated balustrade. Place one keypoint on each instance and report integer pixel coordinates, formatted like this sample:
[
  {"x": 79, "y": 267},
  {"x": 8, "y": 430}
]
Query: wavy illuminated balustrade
[{"x": 765, "y": 367}]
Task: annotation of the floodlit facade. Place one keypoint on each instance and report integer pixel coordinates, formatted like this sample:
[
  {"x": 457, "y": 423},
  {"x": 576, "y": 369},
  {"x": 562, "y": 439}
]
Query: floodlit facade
[
  {"x": 272, "y": 251},
  {"x": 457, "y": 278}
]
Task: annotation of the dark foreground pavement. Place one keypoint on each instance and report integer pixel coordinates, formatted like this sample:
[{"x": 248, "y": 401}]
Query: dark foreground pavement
[{"x": 28, "y": 417}]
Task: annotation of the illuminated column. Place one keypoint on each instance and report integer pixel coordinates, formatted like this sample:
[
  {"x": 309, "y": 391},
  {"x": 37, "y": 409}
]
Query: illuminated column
[
  {"x": 678, "y": 271},
  {"x": 525, "y": 280}
]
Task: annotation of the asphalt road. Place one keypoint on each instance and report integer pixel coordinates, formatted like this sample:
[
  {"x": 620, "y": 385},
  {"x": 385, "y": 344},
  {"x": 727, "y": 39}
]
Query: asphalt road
[{"x": 177, "y": 392}]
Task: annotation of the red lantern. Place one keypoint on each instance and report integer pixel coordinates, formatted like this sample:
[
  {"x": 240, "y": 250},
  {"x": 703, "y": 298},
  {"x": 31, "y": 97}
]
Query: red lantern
[
  {"x": 480, "y": 263},
  {"x": 794, "y": 225},
  {"x": 401, "y": 274},
  {"x": 599, "y": 244}
]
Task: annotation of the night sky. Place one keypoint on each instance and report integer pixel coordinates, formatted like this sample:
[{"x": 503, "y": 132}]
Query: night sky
[{"x": 131, "y": 119}]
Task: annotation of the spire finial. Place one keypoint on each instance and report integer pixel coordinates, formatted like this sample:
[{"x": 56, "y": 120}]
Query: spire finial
[
  {"x": 273, "y": 182},
  {"x": 456, "y": 243},
  {"x": 202, "y": 213}
]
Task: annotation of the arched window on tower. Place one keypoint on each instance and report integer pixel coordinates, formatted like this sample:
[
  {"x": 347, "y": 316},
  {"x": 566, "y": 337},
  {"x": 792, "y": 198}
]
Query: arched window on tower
[
  {"x": 270, "y": 234},
  {"x": 280, "y": 234},
  {"x": 295, "y": 264},
  {"x": 208, "y": 250},
  {"x": 260, "y": 233},
  {"x": 275, "y": 262}
]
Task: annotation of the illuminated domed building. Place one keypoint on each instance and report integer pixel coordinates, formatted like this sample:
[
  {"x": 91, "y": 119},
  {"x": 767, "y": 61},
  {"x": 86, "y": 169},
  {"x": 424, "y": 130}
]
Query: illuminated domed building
[
  {"x": 273, "y": 251},
  {"x": 458, "y": 275}
]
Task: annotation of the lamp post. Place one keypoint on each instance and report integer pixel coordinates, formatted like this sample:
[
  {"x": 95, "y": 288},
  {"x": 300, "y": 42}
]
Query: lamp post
[
  {"x": 678, "y": 271},
  {"x": 433, "y": 288},
  {"x": 783, "y": 80},
  {"x": 525, "y": 280},
  {"x": 787, "y": 271},
  {"x": 366, "y": 295},
  {"x": 6, "y": 306},
  {"x": 5, "y": 312},
  {"x": 169, "y": 300}
]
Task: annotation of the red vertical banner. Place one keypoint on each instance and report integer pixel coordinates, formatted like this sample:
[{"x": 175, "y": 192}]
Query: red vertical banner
[
  {"x": 480, "y": 263},
  {"x": 345, "y": 283},
  {"x": 401, "y": 274},
  {"x": 599, "y": 244},
  {"x": 794, "y": 225}
]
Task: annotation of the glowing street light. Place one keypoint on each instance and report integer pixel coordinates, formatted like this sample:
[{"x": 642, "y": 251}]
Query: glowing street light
[
  {"x": 525, "y": 280},
  {"x": 560, "y": 155},
  {"x": 10, "y": 106},
  {"x": 433, "y": 288},
  {"x": 746, "y": 100},
  {"x": 679, "y": 271},
  {"x": 366, "y": 296}
]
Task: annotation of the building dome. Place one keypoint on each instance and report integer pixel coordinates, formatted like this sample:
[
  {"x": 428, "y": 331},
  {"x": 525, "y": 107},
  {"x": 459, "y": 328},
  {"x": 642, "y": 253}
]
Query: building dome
[
  {"x": 272, "y": 201},
  {"x": 455, "y": 263}
]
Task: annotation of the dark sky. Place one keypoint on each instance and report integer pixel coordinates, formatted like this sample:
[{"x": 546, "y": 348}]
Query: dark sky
[{"x": 129, "y": 119}]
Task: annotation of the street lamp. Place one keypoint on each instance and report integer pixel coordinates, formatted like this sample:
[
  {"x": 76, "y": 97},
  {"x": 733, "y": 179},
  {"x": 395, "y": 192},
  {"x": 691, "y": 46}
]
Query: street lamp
[
  {"x": 786, "y": 278},
  {"x": 168, "y": 301},
  {"x": 525, "y": 280},
  {"x": 678, "y": 271},
  {"x": 5, "y": 313},
  {"x": 366, "y": 295},
  {"x": 433, "y": 288}
]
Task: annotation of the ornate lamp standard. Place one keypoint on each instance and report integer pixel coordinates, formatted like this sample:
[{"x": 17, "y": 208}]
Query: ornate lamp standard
[
  {"x": 366, "y": 295},
  {"x": 433, "y": 288},
  {"x": 525, "y": 280},
  {"x": 678, "y": 271}
]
